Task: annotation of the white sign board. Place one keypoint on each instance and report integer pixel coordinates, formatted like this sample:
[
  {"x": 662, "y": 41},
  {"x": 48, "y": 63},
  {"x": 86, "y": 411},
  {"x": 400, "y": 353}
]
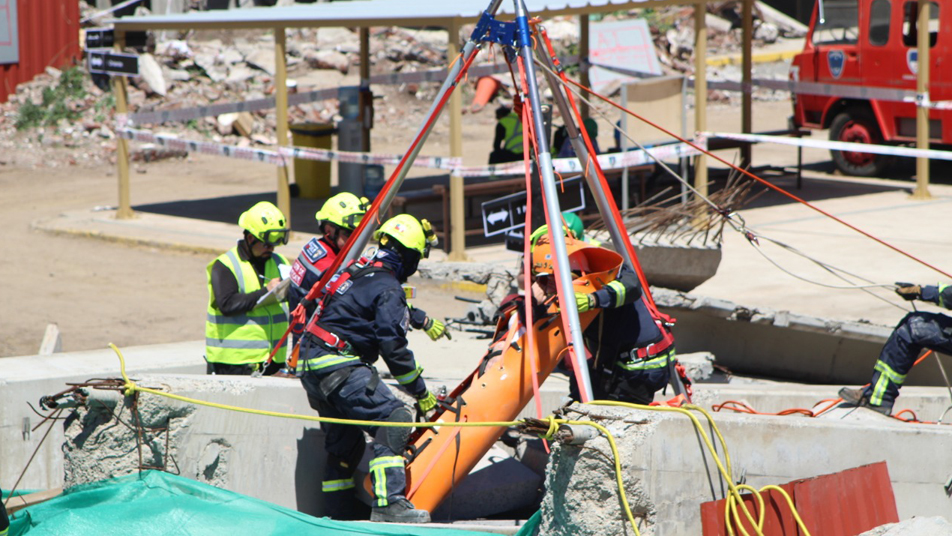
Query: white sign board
[
  {"x": 622, "y": 43},
  {"x": 9, "y": 37}
]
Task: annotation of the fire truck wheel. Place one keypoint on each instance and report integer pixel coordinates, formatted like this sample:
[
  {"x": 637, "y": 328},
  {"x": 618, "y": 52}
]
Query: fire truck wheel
[{"x": 858, "y": 125}]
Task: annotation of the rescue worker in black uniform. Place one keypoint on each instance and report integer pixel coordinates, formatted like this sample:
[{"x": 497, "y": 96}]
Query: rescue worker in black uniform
[
  {"x": 630, "y": 351},
  {"x": 916, "y": 331},
  {"x": 364, "y": 315}
]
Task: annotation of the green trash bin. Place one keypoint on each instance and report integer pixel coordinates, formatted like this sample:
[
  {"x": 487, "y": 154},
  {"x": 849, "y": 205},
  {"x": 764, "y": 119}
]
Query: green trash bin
[{"x": 313, "y": 177}]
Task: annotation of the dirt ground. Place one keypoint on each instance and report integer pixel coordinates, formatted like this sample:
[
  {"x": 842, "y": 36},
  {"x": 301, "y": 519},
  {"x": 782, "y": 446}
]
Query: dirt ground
[{"x": 99, "y": 292}]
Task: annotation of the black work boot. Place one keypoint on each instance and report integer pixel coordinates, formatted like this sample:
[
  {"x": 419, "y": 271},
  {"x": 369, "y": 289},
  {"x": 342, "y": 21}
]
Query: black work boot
[
  {"x": 858, "y": 398},
  {"x": 399, "y": 511}
]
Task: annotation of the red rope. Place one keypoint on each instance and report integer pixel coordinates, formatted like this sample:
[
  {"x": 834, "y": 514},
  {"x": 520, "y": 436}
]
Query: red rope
[
  {"x": 756, "y": 178},
  {"x": 372, "y": 212},
  {"x": 593, "y": 161}
]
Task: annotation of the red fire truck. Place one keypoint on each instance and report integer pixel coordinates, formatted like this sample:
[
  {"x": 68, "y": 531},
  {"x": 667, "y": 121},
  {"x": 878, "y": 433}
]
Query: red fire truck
[{"x": 872, "y": 44}]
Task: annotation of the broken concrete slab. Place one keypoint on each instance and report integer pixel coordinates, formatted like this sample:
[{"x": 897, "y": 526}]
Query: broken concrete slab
[
  {"x": 759, "y": 341},
  {"x": 667, "y": 474},
  {"x": 917, "y": 526}
]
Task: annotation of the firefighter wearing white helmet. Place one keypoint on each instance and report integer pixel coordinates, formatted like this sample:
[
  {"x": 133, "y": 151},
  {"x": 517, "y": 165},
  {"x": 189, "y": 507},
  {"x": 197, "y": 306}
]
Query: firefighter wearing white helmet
[
  {"x": 239, "y": 333},
  {"x": 362, "y": 316}
]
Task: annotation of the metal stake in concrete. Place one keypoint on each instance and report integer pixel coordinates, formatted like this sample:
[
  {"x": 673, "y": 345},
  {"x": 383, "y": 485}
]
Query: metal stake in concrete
[
  {"x": 471, "y": 48},
  {"x": 554, "y": 214}
]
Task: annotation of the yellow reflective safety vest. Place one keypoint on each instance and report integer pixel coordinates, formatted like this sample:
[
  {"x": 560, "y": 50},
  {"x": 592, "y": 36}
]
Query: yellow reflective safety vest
[
  {"x": 250, "y": 337},
  {"x": 513, "y": 127}
]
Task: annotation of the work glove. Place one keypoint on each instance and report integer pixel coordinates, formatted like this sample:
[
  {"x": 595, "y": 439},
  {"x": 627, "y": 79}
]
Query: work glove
[
  {"x": 908, "y": 291},
  {"x": 584, "y": 302},
  {"x": 435, "y": 329},
  {"x": 426, "y": 402}
]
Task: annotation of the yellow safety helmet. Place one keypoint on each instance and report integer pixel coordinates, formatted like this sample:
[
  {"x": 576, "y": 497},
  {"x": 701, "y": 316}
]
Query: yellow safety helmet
[
  {"x": 542, "y": 234},
  {"x": 413, "y": 234},
  {"x": 265, "y": 222},
  {"x": 343, "y": 210}
]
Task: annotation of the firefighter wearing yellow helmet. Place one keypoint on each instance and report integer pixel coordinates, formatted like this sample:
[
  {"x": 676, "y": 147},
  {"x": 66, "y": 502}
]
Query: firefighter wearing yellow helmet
[
  {"x": 337, "y": 219},
  {"x": 363, "y": 316},
  {"x": 239, "y": 333}
]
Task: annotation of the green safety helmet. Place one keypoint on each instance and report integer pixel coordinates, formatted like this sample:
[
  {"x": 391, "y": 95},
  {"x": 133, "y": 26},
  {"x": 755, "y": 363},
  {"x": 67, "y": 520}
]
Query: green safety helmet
[
  {"x": 265, "y": 222},
  {"x": 574, "y": 223},
  {"x": 343, "y": 210},
  {"x": 410, "y": 232}
]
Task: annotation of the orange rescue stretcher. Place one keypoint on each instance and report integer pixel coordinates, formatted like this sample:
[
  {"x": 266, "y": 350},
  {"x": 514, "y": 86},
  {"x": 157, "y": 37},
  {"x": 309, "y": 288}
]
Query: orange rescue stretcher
[{"x": 499, "y": 388}]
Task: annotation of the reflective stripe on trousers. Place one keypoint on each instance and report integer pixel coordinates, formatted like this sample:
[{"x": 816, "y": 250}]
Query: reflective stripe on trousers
[
  {"x": 378, "y": 472},
  {"x": 886, "y": 375}
]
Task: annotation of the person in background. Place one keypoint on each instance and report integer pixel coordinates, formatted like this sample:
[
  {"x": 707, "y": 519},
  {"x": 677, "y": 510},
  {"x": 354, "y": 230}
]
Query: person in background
[
  {"x": 239, "y": 333},
  {"x": 507, "y": 143},
  {"x": 916, "y": 331}
]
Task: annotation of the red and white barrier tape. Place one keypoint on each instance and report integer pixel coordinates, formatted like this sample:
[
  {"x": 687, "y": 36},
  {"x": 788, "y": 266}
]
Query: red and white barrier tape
[
  {"x": 281, "y": 155},
  {"x": 836, "y": 145}
]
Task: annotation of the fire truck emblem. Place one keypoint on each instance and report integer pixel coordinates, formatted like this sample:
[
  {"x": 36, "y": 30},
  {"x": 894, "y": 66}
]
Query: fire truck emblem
[
  {"x": 835, "y": 59},
  {"x": 912, "y": 60}
]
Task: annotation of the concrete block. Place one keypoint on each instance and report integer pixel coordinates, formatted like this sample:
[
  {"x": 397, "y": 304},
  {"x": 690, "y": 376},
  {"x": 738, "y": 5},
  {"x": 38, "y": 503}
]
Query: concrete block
[
  {"x": 919, "y": 526},
  {"x": 667, "y": 474},
  {"x": 678, "y": 267}
]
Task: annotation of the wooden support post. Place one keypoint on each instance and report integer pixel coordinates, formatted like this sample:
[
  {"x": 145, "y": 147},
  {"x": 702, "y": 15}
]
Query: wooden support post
[
  {"x": 281, "y": 109},
  {"x": 922, "y": 112},
  {"x": 700, "y": 91},
  {"x": 583, "y": 61},
  {"x": 747, "y": 95},
  {"x": 124, "y": 212},
  {"x": 457, "y": 228}
]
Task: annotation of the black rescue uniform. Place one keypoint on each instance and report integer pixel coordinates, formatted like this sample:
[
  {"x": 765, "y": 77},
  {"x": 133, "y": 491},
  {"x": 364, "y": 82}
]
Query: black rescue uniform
[
  {"x": 630, "y": 351},
  {"x": 364, "y": 317}
]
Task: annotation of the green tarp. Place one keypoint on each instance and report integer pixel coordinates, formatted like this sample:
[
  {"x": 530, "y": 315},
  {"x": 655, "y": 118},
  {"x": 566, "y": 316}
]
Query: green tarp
[{"x": 154, "y": 502}]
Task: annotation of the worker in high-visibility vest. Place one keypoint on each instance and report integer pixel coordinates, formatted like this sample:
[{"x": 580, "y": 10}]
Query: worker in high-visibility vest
[
  {"x": 240, "y": 333},
  {"x": 507, "y": 143},
  {"x": 917, "y": 331}
]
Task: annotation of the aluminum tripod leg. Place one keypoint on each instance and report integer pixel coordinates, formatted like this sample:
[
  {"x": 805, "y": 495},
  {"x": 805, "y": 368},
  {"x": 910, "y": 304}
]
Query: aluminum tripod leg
[
  {"x": 554, "y": 214},
  {"x": 471, "y": 48}
]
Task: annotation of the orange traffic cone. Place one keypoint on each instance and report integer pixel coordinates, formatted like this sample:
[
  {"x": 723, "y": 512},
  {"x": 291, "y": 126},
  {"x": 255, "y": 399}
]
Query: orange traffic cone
[{"x": 486, "y": 88}]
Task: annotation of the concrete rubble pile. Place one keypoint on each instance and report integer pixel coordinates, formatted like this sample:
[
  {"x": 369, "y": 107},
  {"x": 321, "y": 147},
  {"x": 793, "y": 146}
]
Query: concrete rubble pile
[{"x": 188, "y": 70}]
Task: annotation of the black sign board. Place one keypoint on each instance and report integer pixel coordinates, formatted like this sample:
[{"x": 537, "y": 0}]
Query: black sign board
[
  {"x": 508, "y": 213},
  {"x": 113, "y": 63},
  {"x": 99, "y": 38},
  {"x": 106, "y": 38}
]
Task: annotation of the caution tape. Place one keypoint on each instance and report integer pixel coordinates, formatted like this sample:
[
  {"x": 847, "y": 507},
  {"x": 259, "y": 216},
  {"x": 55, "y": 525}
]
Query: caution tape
[
  {"x": 280, "y": 155},
  {"x": 836, "y": 145},
  {"x": 203, "y": 147},
  {"x": 609, "y": 161},
  {"x": 806, "y": 88},
  {"x": 294, "y": 99}
]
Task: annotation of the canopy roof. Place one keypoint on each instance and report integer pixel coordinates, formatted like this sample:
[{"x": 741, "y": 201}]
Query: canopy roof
[{"x": 367, "y": 13}]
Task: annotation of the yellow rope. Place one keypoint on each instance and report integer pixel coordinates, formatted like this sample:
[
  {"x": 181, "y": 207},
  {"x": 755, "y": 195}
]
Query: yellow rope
[
  {"x": 707, "y": 441},
  {"x": 130, "y": 388}
]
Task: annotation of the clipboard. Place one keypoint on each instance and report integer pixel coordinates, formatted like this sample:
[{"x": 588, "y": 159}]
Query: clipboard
[{"x": 276, "y": 295}]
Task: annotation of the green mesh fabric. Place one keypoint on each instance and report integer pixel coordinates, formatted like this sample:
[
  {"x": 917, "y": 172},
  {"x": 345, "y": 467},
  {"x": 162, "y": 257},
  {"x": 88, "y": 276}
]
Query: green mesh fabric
[{"x": 154, "y": 502}]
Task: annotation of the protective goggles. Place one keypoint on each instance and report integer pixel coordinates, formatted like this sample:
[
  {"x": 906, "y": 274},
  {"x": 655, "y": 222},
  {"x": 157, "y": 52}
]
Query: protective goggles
[{"x": 275, "y": 237}]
